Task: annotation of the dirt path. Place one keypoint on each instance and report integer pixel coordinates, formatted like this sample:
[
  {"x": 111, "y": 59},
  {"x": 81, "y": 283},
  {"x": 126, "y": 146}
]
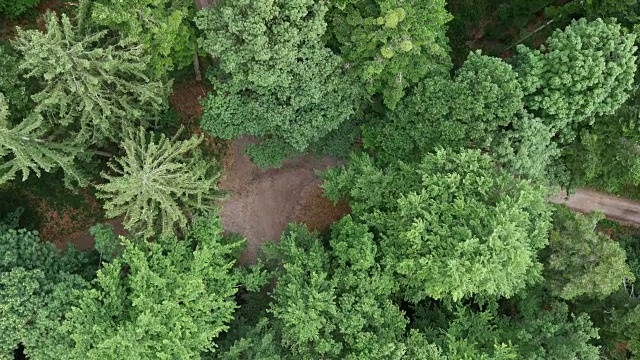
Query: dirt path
[
  {"x": 262, "y": 203},
  {"x": 615, "y": 208}
]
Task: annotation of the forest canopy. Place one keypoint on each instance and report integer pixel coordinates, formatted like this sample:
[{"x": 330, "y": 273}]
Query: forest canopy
[{"x": 433, "y": 136}]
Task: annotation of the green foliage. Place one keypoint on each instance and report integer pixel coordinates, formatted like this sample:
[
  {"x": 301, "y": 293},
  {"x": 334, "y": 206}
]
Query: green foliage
[
  {"x": 159, "y": 184},
  {"x": 90, "y": 91},
  {"x": 166, "y": 299},
  {"x": 625, "y": 11},
  {"x": 584, "y": 71},
  {"x": 626, "y": 325},
  {"x": 275, "y": 77},
  {"x": 25, "y": 149},
  {"x": 482, "y": 107},
  {"x": 545, "y": 329},
  {"x": 107, "y": 243},
  {"x": 162, "y": 26},
  {"x": 606, "y": 155},
  {"x": 581, "y": 261},
  {"x": 451, "y": 226},
  {"x": 390, "y": 45},
  {"x": 269, "y": 153},
  {"x": 336, "y": 306},
  {"x": 339, "y": 142},
  {"x": 11, "y": 85},
  {"x": 331, "y": 303},
  {"x": 14, "y": 8},
  {"x": 37, "y": 287}
]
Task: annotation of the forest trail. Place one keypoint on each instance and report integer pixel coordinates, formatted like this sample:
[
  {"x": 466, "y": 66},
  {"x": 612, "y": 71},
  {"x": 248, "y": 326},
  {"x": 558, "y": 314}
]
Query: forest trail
[{"x": 615, "y": 208}]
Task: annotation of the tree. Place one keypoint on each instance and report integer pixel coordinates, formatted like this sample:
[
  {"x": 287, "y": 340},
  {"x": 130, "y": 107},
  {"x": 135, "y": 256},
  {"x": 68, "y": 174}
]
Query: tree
[
  {"x": 25, "y": 149},
  {"x": 582, "y": 261},
  {"x": 605, "y": 156},
  {"x": 38, "y": 284},
  {"x": 12, "y": 85},
  {"x": 163, "y": 27},
  {"x": 452, "y": 226},
  {"x": 166, "y": 299},
  {"x": 274, "y": 76},
  {"x": 159, "y": 183},
  {"x": 625, "y": 11},
  {"x": 391, "y": 45},
  {"x": 15, "y": 8},
  {"x": 587, "y": 70},
  {"x": 331, "y": 303},
  {"x": 482, "y": 107},
  {"x": 90, "y": 91},
  {"x": 545, "y": 329}
]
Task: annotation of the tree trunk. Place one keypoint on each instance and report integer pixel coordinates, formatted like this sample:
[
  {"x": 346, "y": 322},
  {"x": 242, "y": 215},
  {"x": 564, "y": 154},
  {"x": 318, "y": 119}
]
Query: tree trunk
[{"x": 196, "y": 65}]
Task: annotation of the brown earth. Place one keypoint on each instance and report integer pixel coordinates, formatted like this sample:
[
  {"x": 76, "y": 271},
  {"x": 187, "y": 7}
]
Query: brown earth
[
  {"x": 615, "y": 208},
  {"x": 58, "y": 223},
  {"x": 262, "y": 203},
  {"x": 83, "y": 240}
]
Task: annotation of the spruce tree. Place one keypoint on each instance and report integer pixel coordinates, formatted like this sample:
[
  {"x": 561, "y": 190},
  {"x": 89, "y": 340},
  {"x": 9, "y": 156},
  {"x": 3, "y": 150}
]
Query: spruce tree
[
  {"x": 25, "y": 149},
  {"x": 90, "y": 91},
  {"x": 159, "y": 183}
]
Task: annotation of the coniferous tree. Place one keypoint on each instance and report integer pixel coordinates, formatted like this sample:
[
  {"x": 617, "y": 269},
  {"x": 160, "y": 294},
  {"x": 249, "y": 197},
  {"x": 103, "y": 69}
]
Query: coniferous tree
[
  {"x": 25, "y": 149},
  {"x": 12, "y": 85},
  {"x": 90, "y": 91},
  {"x": 159, "y": 183}
]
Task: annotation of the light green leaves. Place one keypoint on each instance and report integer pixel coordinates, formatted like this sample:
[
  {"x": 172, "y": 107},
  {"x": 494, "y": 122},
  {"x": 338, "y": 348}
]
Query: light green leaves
[
  {"x": 25, "y": 149},
  {"x": 162, "y": 27},
  {"x": 582, "y": 261},
  {"x": 175, "y": 297},
  {"x": 451, "y": 226},
  {"x": 391, "y": 45},
  {"x": 584, "y": 71}
]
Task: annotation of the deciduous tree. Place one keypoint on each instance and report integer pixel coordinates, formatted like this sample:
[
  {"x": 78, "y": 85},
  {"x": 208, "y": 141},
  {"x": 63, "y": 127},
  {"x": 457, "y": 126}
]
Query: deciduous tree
[
  {"x": 391, "y": 45},
  {"x": 274, "y": 76},
  {"x": 482, "y": 107},
  {"x": 166, "y": 299},
  {"x": 582, "y": 261},
  {"x": 583, "y": 71},
  {"x": 452, "y": 226},
  {"x": 38, "y": 285}
]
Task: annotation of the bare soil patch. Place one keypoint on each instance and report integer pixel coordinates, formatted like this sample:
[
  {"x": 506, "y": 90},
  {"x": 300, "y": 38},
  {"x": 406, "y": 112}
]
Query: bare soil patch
[
  {"x": 262, "y": 203},
  {"x": 83, "y": 240},
  {"x": 185, "y": 99},
  {"x": 58, "y": 222},
  {"x": 624, "y": 211}
]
